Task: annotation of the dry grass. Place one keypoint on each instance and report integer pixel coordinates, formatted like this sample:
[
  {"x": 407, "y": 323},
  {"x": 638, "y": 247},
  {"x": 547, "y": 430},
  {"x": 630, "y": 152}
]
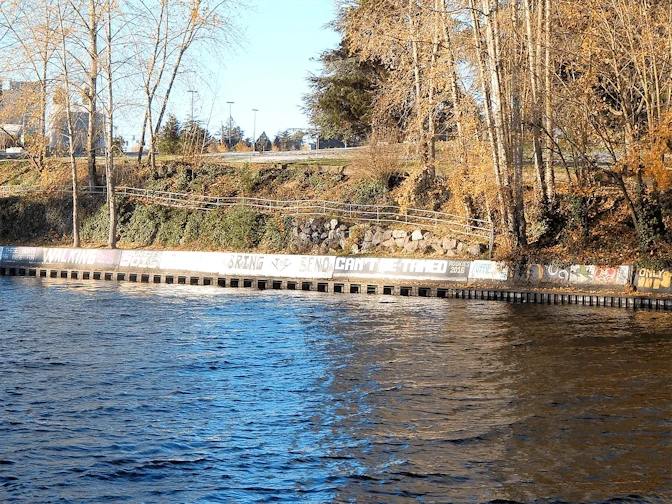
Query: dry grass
[{"x": 379, "y": 161}]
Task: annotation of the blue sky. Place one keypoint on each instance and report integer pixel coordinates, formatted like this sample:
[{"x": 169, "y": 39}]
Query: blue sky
[{"x": 268, "y": 73}]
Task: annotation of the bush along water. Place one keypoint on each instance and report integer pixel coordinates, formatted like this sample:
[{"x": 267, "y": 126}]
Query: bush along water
[{"x": 237, "y": 228}]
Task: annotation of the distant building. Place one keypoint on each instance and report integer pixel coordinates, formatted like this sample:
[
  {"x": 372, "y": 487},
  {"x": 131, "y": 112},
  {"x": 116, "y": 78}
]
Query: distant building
[
  {"x": 18, "y": 110},
  {"x": 59, "y": 135}
]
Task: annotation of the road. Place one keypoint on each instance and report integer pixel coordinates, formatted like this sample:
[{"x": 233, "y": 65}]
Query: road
[{"x": 287, "y": 156}]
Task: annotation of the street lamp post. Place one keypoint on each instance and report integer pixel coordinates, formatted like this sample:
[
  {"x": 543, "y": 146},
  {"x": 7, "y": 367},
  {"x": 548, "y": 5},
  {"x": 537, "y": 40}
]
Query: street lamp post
[
  {"x": 230, "y": 122},
  {"x": 254, "y": 131},
  {"x": 254, "y": 134}
]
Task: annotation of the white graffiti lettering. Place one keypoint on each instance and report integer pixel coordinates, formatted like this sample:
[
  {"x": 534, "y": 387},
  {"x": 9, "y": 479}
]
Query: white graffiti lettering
[
  {"x": 423, "y": 266},
  {"x": 71, "y": 256},
  {"x": 311, "y": 264},
  {"x": 281, "y": 263},
  {"x": 140, "y": 259},
  {"x": 246, "y": 262}
]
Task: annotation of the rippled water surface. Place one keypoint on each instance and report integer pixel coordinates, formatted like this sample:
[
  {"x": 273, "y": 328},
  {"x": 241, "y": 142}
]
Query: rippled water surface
[{"x": 121, "y": 392}]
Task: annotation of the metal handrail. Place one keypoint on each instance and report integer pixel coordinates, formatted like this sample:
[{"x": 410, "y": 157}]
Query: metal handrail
[{"x": 476, "y": 228}]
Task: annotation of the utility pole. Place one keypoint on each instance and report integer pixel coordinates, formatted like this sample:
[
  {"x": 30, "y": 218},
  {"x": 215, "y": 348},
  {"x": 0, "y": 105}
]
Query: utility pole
[
  {"x": 230, "y": 123},
  {"x": 254, "y": 131}
]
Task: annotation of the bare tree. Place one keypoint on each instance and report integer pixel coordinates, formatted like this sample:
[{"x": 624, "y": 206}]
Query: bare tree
[
  {"x": 64, "y": 32},
  {"x": 109, "y": 137},
  {"x": 86, "y": 16},
  {"x": 617, "y": 88},
  {"x": 31, "y": 41},
  {"x": 408, "y": 37},
  {"x": 161, "y": 46}
]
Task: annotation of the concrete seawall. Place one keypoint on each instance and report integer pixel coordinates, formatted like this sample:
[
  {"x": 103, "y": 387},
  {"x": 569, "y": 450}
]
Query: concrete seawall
[{"x": 439, "y": 278}]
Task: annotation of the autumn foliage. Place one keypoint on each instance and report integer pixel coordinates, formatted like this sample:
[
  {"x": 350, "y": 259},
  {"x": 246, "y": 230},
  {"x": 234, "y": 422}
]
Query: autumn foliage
[{"x": 528, "y": 109}]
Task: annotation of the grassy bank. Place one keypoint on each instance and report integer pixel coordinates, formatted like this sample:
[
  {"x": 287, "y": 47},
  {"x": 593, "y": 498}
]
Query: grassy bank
[{"x": 593, "y": 228}]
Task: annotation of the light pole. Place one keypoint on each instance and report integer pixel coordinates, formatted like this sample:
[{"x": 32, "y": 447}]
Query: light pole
[
  {"x": 230, "y": 122},
  {"x": 254, "y": 131},
  {"x": 192, "y": 91}
]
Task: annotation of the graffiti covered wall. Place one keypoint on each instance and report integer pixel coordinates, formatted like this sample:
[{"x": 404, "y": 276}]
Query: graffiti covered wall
[
  {"x": 648, "y": 280},
  {"x": 336, "y": 267},
  {"x": 488, "y": 270},
  {"x": 397, "y": 268},
  {"x": 541, "y": 273},
  {"x": 599, "y": 275},
  {"x": 578, "y": 275}
]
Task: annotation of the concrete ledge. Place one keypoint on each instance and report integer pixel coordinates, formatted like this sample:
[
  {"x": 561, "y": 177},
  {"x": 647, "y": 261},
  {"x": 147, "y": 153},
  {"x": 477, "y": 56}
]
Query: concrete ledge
[{"x": 389, "y": 288}]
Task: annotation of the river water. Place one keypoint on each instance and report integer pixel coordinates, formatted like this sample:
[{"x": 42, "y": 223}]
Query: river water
[{"x": 118, "y": 392}]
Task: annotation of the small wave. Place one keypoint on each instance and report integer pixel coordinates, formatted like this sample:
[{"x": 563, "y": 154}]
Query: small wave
[
  {"x": 121, "y": 461},
  {"x": 163, "y": 464},
  {"x": 462, "y": 441}
]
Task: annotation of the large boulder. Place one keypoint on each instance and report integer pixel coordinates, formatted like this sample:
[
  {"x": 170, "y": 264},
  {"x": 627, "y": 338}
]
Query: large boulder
[
  {"x": 411, "y": 247},
  {"x": 476, "y": 250},
  {"x": 436, "y": 247},
  {"x": 449, "y": 244},
  {"x": 417, "y": 235},
  {"x": 377, "y": 238}
]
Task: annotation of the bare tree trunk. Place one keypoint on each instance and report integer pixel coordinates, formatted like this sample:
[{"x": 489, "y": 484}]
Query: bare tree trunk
[
  {"x": 151, "y": 156},
  {"x": 73, "y": 173},
  {"x": 141, "y": 141},
  {"x": 517, "y": 144},
  {"x": 532, "y": 56},
  {"x": 494, "y": 146},
  {"x": 431, "y": 128},
  {"x": 43, "y": 115},
  {"x": 497, "y": 101},
  {"x": 109, "y": 165},
  {"x": 550, "y": 171},
  {"x": 166, "y": 96},
  {"x": 71, "y": 134},
  {"x": 454, "y": 87},
  {"x": 455, "y": 97},
  {"x": 91, "y": 94},
  {"x": 187, "y": 36},
  {"x": 618, "y": 178}
]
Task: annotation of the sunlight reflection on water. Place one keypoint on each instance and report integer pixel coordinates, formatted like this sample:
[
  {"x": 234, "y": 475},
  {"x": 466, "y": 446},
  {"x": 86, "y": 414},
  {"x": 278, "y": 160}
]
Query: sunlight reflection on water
[{"x": 157, "y": 393}]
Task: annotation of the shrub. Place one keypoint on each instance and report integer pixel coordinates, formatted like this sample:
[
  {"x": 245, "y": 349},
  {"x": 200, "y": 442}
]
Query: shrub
[
  {"x": 277, "y": 234},
  {"x": 22, "y": 219},
  {"x": 182, "y": 179},
  {"x": 249, "y": 179},
  {"x": 368, "y": 192},
  {"x": 237, "y": 228},
  {"x": 379, "y": 162},
  {"x": 172, "y": 228},
  {"x": 323, "y": 181},
  {"x": 95, "y": 227},
  {"x": 143, "y": 225},
  {"x": 193, "y": 227}
]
